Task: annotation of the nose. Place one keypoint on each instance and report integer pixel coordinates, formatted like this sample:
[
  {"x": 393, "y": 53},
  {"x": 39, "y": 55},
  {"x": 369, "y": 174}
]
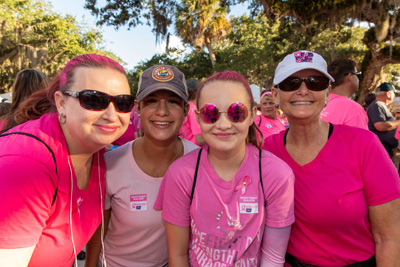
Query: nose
[
  {"x": 162, "y": 108},
  {"x": 303, "y": 88},
  {"x": 110, "y": 113},
  {"x": 223, "y": 123}
]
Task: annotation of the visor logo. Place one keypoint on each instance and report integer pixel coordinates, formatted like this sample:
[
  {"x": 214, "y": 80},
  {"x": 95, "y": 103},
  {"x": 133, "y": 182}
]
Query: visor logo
[
  {"x": 303, "y": 57},
  {"x": 162, "y": 74}
]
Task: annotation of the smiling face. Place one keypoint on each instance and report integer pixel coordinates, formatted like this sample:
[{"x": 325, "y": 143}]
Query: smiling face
[
  {"x": 268, "y": 108},
  {"x": 161, "y": 115},
  {"x": 88, "y": 130},
  {"x": 224, "y": 136},
  {"x": 302, "y": 104}
]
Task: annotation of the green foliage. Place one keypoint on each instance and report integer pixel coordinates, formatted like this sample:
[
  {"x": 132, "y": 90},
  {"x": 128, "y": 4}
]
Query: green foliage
[
  {"x": 132, "y": 13},
  {"x": 33, "y": 36},
  {"x": 254, "y": 46}
]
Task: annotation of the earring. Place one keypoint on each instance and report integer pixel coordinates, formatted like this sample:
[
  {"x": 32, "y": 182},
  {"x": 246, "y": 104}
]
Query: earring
[
  {"x": 61, "y": 118},
  {"x": 138, "y": 115},
  {"x": 277, "y": 105},
  {"x": 326, "y": 103}
]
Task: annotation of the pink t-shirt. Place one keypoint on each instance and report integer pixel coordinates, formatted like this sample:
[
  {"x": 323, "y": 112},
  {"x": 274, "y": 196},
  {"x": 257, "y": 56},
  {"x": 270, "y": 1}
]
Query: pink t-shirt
[
  {"x": 190, "y": 126},
  {"x": 27, "y": 185},
  {"x": 332, "y": 195},
  {"x": 268, "y": 126},
  {"x": 227, "y": 219},
  {"x": 342, "y": 110},
  {"x": 136, "y": 232}
]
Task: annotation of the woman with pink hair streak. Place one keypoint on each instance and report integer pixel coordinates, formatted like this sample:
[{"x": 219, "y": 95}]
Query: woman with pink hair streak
[{"x": 52, "y": 165}]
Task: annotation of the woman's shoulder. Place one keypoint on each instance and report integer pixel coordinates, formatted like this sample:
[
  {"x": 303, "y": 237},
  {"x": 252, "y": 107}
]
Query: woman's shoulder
[
  {"x": 33, "y": 139},
  {"x": 268, "y": 159},
  {"x": 118, "y": 152},
  {"x": 352, "y": 134}
]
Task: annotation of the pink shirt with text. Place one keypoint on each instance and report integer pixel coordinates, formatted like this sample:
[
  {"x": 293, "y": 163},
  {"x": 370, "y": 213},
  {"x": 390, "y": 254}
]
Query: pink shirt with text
[
  {"x": 227, "y": 218},
  {"x": 268, "y": 126}
]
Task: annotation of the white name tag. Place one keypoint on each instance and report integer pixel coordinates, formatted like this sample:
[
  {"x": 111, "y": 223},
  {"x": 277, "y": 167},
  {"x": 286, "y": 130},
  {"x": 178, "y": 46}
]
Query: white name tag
[
  {"x": 138, "y": 202},
  {"x": 248, "y": 207}
]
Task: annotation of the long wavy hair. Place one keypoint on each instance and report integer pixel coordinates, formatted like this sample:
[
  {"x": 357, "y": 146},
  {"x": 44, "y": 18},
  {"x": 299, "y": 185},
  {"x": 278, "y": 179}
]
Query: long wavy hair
[
  {"x": 43, "y": 101},
  {"x": 27, "y": 82},
  {"x": 236, "y": 77}
]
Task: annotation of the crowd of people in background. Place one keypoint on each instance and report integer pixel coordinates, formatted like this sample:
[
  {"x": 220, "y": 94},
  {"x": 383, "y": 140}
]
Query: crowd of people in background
[{"x": 194, "y": 172}]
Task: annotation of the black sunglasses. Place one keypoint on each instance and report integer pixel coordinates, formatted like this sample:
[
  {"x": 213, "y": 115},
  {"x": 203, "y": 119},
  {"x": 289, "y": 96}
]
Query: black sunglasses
[
  {"x": 358, "y": 74},
  {"x": 314, "y": 83},
  {"x": 95, "y": 100}
]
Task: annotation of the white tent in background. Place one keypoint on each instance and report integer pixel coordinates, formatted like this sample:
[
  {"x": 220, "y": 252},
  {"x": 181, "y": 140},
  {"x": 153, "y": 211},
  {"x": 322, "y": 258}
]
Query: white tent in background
[
  {"x": 6, "y": 96},
  {"x": 255, "y": 89}
]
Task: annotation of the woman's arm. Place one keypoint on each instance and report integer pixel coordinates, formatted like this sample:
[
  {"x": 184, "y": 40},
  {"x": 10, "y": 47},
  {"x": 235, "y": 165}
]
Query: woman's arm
[
  {"x": 16, "y": 257},
  {"x": 385, "y": 224},
  {"x": 178, "y": 243},
  {"x": 274, "y": 245},
  {"x": 93, "y": 247}
]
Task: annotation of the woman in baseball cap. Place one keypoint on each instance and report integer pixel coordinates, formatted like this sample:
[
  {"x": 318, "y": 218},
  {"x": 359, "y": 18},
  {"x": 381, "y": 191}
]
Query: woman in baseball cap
[
  {"x": 135, "y": 235},
  {"x": 347, "y": 190}
]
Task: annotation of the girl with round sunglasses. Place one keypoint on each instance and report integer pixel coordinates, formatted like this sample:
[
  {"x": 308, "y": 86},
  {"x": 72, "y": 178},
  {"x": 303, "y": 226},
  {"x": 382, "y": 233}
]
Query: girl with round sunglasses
[
  {"x": 52, "y": 165},
  {"x": 347, "y": 190},
  {"x": 134, "y": 231},
  {"x": 230, "y": 203}
]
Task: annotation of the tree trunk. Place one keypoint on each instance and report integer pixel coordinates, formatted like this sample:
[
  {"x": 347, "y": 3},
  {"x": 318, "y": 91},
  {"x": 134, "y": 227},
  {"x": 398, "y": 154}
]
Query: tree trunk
[
  {"x": 211, "y": 54},
  {"x": 372, "y": 69}
]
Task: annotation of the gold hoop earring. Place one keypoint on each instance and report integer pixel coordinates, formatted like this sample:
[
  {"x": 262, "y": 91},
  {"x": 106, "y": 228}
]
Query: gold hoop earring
[{"x": 61, "y": 118}]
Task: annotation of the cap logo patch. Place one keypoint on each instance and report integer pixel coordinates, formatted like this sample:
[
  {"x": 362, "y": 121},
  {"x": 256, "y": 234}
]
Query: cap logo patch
[
  {"x": 162, "y": 74},
  {"x": 303, "y": 57}
]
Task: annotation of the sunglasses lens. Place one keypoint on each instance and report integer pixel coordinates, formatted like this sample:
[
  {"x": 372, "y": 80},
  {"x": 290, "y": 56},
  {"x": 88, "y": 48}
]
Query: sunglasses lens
[
  {"x": 209, "y": 113},
  {"x": 317, "y": 83},
  {"x": 290, "y": 84},
  {"x": 93, "y": 100},
  {"x": 237, "y": 112},
  {"x": 124, "y": 103}
]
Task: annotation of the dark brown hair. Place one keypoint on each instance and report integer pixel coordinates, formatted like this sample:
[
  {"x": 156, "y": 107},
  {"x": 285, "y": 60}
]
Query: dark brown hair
[
  {"x": 339, "y": 68},
  {"x": 27, "y": 82}
]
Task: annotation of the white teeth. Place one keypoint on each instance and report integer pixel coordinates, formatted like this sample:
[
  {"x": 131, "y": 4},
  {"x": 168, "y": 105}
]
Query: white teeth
[
  {"x": 301, "y": 103},
  {"x": 161, "y": 123}
]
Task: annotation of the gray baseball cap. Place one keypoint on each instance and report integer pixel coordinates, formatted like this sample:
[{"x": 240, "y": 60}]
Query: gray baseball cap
[{"x": 162, "y": 77}]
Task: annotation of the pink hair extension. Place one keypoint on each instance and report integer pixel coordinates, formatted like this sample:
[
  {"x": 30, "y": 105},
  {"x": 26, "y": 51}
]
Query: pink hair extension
[
  {"x": 227, "y": 76},
  {"x": 90, "y": 61}
]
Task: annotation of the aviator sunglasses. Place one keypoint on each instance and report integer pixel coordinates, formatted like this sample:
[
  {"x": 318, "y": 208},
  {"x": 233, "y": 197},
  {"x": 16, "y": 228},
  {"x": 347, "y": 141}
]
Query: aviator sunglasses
[
  {"x": 237, "y": 112},
  {"x": 95, "y": 100},
  {"x": 314, "y": 83}
]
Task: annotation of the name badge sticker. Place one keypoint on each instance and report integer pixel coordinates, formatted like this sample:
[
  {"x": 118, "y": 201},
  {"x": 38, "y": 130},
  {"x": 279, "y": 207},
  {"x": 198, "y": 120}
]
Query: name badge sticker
[
  {"x": 248, "y": 207},
  {"x": 138, "y": 202}
]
